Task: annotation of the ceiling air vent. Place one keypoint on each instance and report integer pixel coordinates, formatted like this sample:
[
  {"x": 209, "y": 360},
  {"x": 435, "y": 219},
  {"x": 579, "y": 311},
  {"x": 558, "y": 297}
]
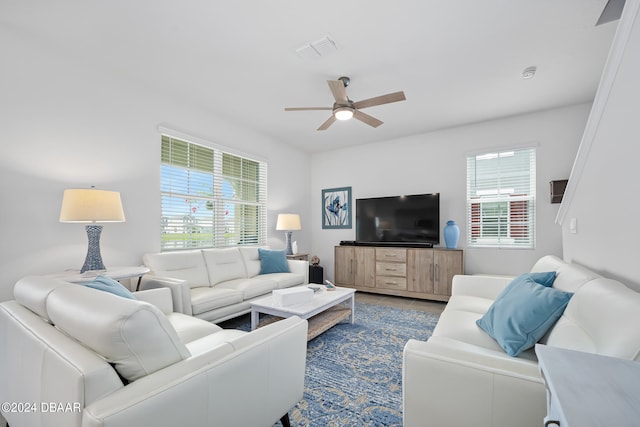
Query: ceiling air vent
[{"x": 318, "y": 48}]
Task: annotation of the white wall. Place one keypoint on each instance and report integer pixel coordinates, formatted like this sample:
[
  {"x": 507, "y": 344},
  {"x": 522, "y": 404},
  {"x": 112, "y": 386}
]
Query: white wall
[
  {"x": 605, "y": 202},
  {"x": 67, "y": 124},
  {"x": 436, "y": 162}
]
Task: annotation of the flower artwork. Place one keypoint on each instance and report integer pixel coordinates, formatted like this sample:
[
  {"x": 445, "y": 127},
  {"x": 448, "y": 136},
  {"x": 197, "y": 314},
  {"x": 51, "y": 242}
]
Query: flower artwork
[{"x": 336, "y": 208}]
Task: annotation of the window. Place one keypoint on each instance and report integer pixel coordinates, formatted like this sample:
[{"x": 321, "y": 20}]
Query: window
[
  {"x": 210, "y": 198},
  {"x": 501, "y": 189}
]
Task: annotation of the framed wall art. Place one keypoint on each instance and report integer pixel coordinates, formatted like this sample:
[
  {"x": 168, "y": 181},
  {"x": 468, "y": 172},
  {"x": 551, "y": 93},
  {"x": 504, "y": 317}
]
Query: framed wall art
[{"x": 336, "y": 208}]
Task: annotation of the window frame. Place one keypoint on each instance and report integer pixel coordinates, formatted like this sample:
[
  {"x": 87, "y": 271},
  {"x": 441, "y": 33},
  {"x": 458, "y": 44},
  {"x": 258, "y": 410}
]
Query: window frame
[
  {"x": 502, "y": 183},
  {"x": 236, "y": 184}
]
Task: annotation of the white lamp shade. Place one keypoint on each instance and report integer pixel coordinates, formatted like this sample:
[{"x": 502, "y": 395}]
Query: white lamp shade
[
  {"x": 91, "y": 205},
  {"x": 288, "y": 222}
]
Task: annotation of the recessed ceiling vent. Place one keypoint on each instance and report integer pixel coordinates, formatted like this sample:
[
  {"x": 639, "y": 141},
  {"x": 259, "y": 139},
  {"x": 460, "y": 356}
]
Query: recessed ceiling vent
[{"x": 322, "y": 47}]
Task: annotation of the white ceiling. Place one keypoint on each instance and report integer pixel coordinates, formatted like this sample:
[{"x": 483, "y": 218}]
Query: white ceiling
[{"x": 458, "y": 62}]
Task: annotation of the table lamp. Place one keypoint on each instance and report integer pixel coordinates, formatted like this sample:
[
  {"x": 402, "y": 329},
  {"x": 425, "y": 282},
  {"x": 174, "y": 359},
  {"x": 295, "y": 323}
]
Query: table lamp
[
  {"x": 91, "y": 206},
  {"x": 288, "y": 222}
]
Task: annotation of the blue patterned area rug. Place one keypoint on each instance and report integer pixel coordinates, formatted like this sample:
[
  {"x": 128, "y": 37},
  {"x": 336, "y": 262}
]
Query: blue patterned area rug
[{"x": 354, "y": 371}]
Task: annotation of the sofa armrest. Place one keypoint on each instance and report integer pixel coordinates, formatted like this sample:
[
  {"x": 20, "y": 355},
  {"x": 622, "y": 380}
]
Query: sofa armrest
[
  {"x": 299, "y": 267},
  {"x": 479, "y": 285},
  {"x": 442, "y": 375},
  {"x": 262, "y": 370},
  {"x": 180, "y": 291},
  {"x": 160, "y": 297}
]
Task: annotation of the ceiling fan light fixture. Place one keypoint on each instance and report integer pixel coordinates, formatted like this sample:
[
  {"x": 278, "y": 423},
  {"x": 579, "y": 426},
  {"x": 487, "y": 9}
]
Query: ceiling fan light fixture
[{"x": 343, "y": 113}]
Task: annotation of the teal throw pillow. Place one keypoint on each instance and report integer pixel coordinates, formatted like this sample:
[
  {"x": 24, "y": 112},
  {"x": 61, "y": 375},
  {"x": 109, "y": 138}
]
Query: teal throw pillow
[
  {"x": 107, "y": 284},
  {"x": 545, "y": 278},
  {"x": 522, "y": 313},
  {"x": 272, "y": 261}
]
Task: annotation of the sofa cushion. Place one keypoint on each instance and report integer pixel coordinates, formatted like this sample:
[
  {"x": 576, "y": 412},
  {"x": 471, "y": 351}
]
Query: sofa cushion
[
  {"x": 204, "y": 299},
  {"x": 133, "y": 335},
  {"x": 185, "y": 265},
  {"x": 470, "y": 303},
  {"x": 224, "y": 264},
  {"x": 460, "y": 325},
  {"x": 107, "y": 284},
  {"x": 569, "y": 277},
  {"x": 251, "y": 288},
  {"x": 191, "y": 328},
  {"x": 602, "y": 317},
  {"x": 522, "y": 314},
  {"x": 251, "y": 259},
  {"x": 286, "y": 280},
  {"x": 33, "y": 291},
  {"x": 273, "y": 261}
]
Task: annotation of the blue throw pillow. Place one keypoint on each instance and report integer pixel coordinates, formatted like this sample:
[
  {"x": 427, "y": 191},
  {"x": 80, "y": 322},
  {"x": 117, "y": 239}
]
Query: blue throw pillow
[
  {"x": 107, "y": 284},
  {"x": 522, "y": 313},
  {"x": 545, "y": 279},
  {"x": 273, "y": 261}
]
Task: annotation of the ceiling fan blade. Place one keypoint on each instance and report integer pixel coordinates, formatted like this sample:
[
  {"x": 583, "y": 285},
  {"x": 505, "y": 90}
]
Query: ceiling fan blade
[
  {"x": 365, "y": 118},
  {"x": 338, "y": 91},
  {"x": 379, "y": 100},
  {"x": 306, "y": 108},
  {"x": 328, "y": 123}
]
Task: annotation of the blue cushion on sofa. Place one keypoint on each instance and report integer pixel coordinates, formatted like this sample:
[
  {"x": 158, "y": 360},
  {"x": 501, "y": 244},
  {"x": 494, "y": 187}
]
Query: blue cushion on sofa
[
  {"x": 523, "y": 312},
  {"x": 545, "y": 278},
  {"x": 273, "y": 261},
  {"x": 107, "y": 284}
]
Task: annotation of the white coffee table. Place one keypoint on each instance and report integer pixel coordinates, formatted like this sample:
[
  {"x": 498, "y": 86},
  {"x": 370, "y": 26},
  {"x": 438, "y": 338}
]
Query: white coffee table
[{"x": 322, "y": 302}]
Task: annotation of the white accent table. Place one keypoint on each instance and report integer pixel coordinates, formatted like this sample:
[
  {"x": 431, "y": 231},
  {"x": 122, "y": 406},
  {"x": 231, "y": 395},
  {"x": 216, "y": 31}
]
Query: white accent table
[
  {"x": 586, "y": 389},
  {"x": 115, "y": 273},
  {"x": 322, "y": 301}
]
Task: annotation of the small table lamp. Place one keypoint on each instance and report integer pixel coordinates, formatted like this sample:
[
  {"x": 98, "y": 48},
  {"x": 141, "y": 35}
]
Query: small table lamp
[
  {"x": 92, "y": 206},
  {"x": 288, "y": 222}
]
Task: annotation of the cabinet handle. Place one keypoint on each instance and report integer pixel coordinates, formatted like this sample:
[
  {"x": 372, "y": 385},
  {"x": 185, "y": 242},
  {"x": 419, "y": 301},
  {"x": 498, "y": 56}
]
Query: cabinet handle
[
  {"x": 390, "y": 283},
  {"x": 391, "y": 255},
  {"x": 391, "y": 269},
  {"x": 433, "y": 277},
  {"x": 437, "y": 279}
]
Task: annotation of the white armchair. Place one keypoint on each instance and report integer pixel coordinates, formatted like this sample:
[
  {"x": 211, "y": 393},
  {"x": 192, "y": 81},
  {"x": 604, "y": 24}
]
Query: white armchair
[{"x": 103, "y": 360}]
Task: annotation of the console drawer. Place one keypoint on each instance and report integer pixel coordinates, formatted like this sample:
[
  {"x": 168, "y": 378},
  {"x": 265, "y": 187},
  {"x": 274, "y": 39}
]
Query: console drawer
[
  {"x": 391, "y": 254},
  {"x": 387, "y": 282},
  {"x": 391, "y": 269}
]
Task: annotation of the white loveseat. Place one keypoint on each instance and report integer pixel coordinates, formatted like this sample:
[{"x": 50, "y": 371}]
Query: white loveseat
[
  {"x": 71, "y": 356},
  {"x": 461, "y": 377},
  {"x": 217, "y": 284}
]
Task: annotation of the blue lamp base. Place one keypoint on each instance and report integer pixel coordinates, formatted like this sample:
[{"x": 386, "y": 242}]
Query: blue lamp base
[
  {"x": 288, "y": 249},
  {"x": 94, "y": 259}
]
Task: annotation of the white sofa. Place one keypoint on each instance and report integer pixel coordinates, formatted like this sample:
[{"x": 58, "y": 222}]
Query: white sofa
[
  {"x": 72, "y": 356},
  {"x": 217, "y": 284},
  {"x": 461, "y": 377}
]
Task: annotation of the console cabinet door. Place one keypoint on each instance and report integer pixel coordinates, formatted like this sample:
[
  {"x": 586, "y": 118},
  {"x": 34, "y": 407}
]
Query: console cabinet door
[
  {"x": 446, "y": 265},
  {"x": 355, "y": 266},
  {"x": 365, "y": 267},
  {"x": 420, "y": 270},
  {"x": 344, "y": 265}
]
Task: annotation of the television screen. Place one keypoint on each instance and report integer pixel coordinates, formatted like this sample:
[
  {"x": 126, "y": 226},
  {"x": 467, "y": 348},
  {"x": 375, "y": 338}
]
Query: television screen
[{"x": 408, "y": 220}]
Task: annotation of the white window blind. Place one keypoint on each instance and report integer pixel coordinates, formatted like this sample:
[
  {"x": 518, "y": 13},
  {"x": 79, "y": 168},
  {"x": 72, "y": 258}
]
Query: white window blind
[
  {"x": 501, "y": 190},
  {"x": 210, "y": 198}
]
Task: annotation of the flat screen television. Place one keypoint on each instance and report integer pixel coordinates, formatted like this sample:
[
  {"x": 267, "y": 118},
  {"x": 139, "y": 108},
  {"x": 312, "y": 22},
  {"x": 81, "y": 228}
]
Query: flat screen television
[{"x": 399, "y": 221}]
